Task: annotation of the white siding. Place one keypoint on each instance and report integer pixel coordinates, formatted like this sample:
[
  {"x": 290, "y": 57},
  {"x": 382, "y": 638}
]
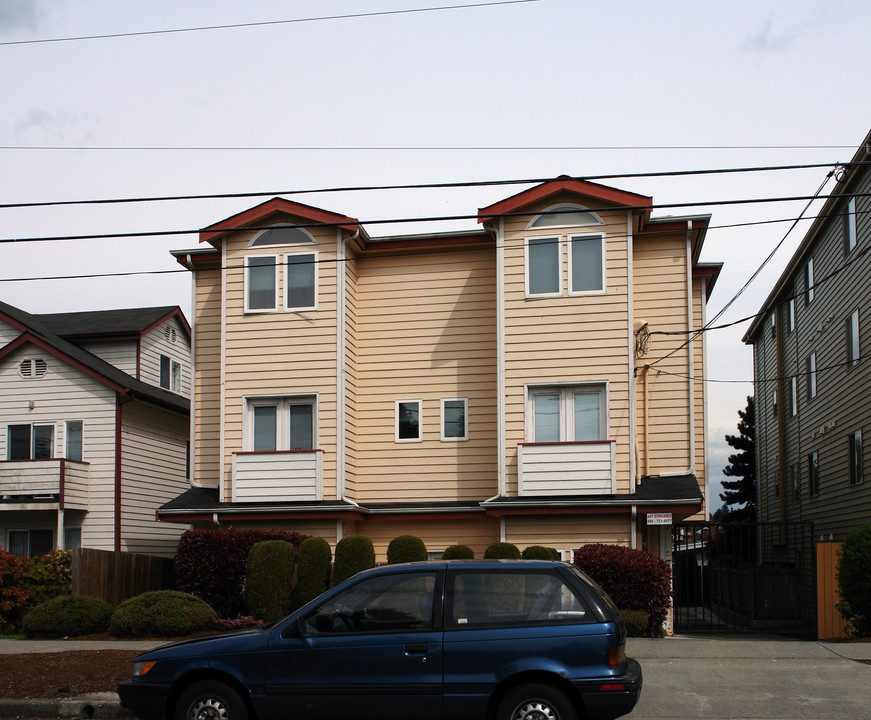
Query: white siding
[
  {"x": 66, "y": 393},
  {"x": 278, "y": 476},
  {"x": 153, "y": 451},
  {"x": 7, "y": 333},
  {"x": 120, "y": 353},
  {"x": 156, "y": 343},
  {"x": 567, "y": 469}
]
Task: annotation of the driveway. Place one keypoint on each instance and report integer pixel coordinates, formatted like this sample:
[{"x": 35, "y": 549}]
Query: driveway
[{"x": 752, "y": 677}]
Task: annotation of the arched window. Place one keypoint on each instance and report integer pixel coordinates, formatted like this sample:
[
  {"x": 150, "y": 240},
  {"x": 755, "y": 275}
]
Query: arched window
[
  {"x": 282, "y": 235},
  {"x": 565, "y": 216}
]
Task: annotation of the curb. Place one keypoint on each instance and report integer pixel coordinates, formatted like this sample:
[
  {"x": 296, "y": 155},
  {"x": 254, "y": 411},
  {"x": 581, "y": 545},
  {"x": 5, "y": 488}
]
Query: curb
[{"x": 102, "y": 705}]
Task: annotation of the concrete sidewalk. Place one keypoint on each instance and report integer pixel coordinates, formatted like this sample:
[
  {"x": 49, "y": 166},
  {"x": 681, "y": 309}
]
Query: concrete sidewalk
[{"x": 712, "y": 677}]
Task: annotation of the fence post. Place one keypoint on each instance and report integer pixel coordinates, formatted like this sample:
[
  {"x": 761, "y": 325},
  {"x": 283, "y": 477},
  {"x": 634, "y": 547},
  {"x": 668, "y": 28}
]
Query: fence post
[{"x": 830, "y": 623}]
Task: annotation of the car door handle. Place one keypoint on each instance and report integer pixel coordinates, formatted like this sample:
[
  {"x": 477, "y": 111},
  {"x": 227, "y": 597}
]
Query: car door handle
[{"x": 415, "y": 648}]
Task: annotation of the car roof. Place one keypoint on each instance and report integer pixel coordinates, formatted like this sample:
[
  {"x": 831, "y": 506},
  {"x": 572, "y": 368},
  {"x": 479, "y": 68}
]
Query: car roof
[{"x": 467, "y": 564}]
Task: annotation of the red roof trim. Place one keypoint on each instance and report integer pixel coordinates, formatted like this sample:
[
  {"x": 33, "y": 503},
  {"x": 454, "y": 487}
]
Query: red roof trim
[
  {"x": 270, "y": 207},
  {"x": 579, "y": 187},
  {"x": 171, "y": 314},
  {"x": 653, "y": 227},
  {"x": 27, "y": 337}
]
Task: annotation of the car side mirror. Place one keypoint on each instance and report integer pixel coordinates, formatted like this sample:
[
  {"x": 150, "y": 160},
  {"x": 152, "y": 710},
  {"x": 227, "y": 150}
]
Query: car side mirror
[{"x": 294, "y": 630}]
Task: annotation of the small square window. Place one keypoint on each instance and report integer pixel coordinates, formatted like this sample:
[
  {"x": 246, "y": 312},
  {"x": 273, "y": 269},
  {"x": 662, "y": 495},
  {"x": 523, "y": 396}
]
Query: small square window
[
  {"x": 408, "y": 421},
  {"x": 455, "y": 421}
]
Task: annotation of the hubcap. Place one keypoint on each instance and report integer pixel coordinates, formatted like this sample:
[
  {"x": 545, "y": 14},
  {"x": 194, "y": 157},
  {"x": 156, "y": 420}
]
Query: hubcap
[
  {"x": 535, "y": 710},
  {"x": 209, "y": 709}
]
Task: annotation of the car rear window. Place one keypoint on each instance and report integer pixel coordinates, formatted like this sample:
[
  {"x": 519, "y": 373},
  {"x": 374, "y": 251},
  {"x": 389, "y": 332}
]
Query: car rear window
[{"x": 515, "y": 597}]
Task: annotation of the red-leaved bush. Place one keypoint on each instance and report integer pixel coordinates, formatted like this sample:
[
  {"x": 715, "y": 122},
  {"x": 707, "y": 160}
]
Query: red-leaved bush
[
  {"x": 635, "y": 579},
  {"x": 211, "y": 564},
  {"x": 13, "y": 598}
]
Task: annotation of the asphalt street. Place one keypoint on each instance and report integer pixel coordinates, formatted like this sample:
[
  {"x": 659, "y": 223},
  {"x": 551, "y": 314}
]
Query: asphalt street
[{"x": 715, "y": 678}]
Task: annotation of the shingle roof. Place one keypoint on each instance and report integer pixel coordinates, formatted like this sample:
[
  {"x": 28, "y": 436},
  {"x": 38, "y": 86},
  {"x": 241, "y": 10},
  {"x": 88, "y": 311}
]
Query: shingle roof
[
  {"x": 128, "y": 321},
  {"x": 36, "y": 330}
]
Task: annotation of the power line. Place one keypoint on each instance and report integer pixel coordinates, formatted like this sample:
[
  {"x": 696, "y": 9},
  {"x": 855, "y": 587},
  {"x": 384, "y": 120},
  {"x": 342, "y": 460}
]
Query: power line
[
  {"x": 426, "y": 186},
  {"x": 266, "y": 23},
  {"x": 414, "y": 148},
  {"x": 417, "y": 219}
]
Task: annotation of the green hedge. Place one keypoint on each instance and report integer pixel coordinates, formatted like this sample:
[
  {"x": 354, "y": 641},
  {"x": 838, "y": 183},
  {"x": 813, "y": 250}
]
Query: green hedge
[
  {"x": 854, "y": 580},
  {"x": 539, "y": 552},
  {"x": 68, "y": 616},
  {"x": 406, "y": 548},
  {"x": 502, "y": 551},
  {"x": 354, "y": 553},
  {"x": 162, "y": 613},
  {"x": 313, "y": 565},
  {"x": 458, "y": 552},
  {"x": 269, "y": 579}
]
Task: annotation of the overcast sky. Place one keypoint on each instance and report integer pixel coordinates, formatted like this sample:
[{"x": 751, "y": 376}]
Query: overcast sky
[{"x": 464, "y": 94}]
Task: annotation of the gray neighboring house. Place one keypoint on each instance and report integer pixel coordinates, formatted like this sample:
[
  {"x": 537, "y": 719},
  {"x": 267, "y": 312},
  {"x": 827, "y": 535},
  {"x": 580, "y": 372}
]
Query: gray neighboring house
[
  {"x": 812, "y": 369},
  {"x": 94, "y": 428}
]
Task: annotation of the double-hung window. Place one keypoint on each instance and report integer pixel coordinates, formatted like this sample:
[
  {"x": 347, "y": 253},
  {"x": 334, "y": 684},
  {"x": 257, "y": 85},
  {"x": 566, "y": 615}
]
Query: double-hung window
[
  {"x": 29, "y": 442},
  {"x": 301, "y": 281},
  {"x": 281, "y": 424},
  {"x": 455, "y": 419},
  {"x": 570, "y": 413},
  {"x": 853, "y": 351},
  {"x": 261, "y": 283},
  {"x": 857, "y": 474},
  {"x": 73, "y": 440},
  {"x": 812, "y": 375},
  {"x": 170, "y": 374},
  {"x": 544, "y": 268}
]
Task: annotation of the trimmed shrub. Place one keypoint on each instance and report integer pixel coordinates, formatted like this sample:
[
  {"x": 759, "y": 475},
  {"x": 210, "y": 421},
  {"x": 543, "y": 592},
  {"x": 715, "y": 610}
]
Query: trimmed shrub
[
  {"x": 162, "y": 613},
  {"x": 406, "y": 548},
  {"x": 353, "y": 554},
  {"x": 539, "y": 552},
  {"x": 458, "y": 552},
  {"x": 49, "y": 576},
  {"x": 635, "y": 579},
  {"x": 637, "y": 622},
  {"x": 854, "y": 580},
  {"x": 312, "y": 571},
  {"x": 269, "y": 579},
  {"x": 502, "y": 551},
  {"x": 211, "y": 564},
  {"x": 68, "y": 616},
  {"x": 13, "y": 597}
]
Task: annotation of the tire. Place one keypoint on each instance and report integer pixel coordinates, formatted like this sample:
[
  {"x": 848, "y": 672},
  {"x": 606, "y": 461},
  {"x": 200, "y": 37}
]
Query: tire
[
  {"x": 536, "y": 702},
  {"x": 210, "y": 700}
]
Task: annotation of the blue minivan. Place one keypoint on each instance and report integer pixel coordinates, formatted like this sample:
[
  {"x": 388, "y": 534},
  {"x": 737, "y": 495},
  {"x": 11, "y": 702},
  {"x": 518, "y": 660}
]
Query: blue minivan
[{"x": 483, "y": 640}]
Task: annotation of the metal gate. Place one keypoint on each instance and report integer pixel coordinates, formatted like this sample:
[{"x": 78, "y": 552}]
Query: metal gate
[{"x": 744, "y": 577}]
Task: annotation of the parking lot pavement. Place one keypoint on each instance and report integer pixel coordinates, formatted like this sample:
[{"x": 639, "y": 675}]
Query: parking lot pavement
[{"x": 752, "y": 677}]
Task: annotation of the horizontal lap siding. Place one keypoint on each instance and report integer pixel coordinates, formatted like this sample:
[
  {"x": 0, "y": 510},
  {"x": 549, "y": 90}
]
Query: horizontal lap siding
[
  {"x": 153, "y": 443},
  {"x": 281, "y": 353},
  {"x": 568, "y": 532},
  {"x": 7, "y": 333},
  {"x": 351, "y": 370},
  {"x": 437, "y": 533},
  {"x": 65, "y": 393},
  {"x": 155, "y": 344},
  {"x": 426, "y": 329},
  {"x": 567, "y": 339},
  {"x": 206, "y": 417},
  {"x": 660, "y": 291},
  {"x": 121, "y": 354}
]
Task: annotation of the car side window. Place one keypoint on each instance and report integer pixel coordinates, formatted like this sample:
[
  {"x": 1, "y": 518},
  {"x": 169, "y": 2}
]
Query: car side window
[
  {"x": 497, "y": 598},
  {"x": 384, "y": 603}
]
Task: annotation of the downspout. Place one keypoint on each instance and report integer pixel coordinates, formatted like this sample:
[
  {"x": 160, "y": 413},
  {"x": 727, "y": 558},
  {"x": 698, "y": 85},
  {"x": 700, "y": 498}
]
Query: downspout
[
  {"x": 500, "y": 367},
  {"x": 633, "y": 408},
  {"x": 223, "y": 380},
  {"x": 193, "y": 405}
]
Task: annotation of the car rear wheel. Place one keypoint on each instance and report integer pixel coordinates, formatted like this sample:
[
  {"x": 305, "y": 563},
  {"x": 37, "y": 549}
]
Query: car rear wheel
[
  {"x": 210, "y": 700},
  {"x": 536, "y": 702}
]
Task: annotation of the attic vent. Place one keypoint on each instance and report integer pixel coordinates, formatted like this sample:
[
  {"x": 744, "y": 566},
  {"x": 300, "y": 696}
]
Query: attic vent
[
  {"x": 30, "y": 368},
  {"x": 170, "y": 333}
]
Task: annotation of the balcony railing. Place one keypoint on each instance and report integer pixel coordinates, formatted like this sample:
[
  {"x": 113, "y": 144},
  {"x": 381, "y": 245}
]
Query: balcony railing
[
  {"x": 57, "y": 480},
  {"x": 295, "y": 475},
  {"x": 567, "y": 468}
]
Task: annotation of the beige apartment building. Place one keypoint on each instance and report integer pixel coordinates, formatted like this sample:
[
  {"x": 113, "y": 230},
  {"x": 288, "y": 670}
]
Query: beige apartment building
[{"x": 513, "y": 382}]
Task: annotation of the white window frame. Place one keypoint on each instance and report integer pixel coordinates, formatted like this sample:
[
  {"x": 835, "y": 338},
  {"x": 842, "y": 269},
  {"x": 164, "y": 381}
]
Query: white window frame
[
  {"x": 246, "y": 283},
  {"x": 465, "y": 435},
  {"x": 396, "y": 405},
  {"x": 282, "y": 404},
  {"x": 791, "y": 314},
  {"x": 603, "y": 278},
  {"x": 174, "y": 379},
  {"x": 553, "y": 211},
  {"x": 793, "y": 387},
  {"x": 854, "y": 352},
  {"x": 278, "y": 226},
  {"x": 528, "y": 243},
  {"x": 809, "y": 280},
  {"x": 295, "y": 308},
  {"x": 812, "y": 375},
  {"x": 566, "y": 409},
  {"x": 850, "y": 237}
]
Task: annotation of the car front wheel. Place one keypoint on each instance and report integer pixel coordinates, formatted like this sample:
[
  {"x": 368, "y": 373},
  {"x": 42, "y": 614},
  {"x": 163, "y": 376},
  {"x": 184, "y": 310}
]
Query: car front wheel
[
  {"x": 536, "y": 702},
  {"x": 210, "y": 700}
]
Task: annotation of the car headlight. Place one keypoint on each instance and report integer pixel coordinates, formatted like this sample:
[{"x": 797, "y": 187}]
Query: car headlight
[{"x": 142, "y": 667}]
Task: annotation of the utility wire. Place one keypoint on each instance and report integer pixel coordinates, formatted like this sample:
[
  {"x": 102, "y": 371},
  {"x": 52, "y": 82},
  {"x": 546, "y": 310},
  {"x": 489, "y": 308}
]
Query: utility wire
[
  {"x": 426, "y": 186},
  {"x": 265, "y": 23},
  {"x": 413, "y": 148},
  {"x": 417, "y": 219}
]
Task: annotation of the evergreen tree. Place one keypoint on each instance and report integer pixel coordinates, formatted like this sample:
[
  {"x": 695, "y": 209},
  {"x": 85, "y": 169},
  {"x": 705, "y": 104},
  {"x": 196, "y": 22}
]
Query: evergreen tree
[{"x": 740, "y": 494}]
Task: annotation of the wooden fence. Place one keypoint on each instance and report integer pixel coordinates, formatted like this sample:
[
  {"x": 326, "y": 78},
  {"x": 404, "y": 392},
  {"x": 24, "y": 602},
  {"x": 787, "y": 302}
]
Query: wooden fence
[
  {"x": 830, "y": 624},
  {"x": 116, "y": 576}
]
